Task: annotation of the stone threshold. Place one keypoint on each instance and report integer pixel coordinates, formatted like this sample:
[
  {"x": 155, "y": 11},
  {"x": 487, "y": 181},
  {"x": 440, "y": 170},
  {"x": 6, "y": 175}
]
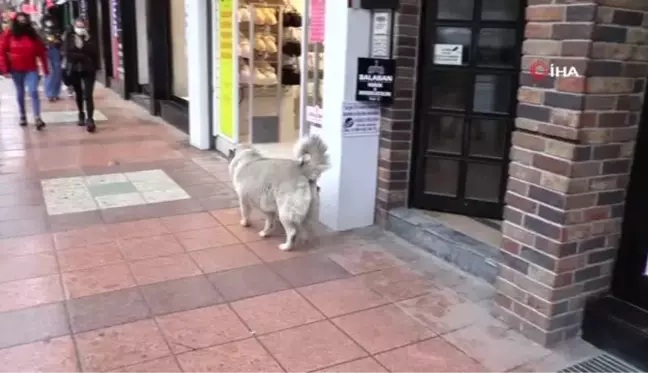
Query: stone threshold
[{"x": 470, "y": 255}]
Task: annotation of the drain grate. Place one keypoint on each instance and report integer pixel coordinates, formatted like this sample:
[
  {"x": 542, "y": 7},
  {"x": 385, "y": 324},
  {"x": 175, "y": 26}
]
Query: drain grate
[{"x": 602, "y": 363}]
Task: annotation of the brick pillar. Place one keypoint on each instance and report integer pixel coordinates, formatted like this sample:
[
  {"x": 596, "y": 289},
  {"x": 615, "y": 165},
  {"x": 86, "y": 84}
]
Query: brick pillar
[
  {"x": 397, "y": 121},
  {"x": 570, "y": 162}
]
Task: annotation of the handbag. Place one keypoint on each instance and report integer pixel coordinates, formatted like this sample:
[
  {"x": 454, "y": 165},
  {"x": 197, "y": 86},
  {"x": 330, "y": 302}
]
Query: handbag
[{"x": 66, "y": 69}]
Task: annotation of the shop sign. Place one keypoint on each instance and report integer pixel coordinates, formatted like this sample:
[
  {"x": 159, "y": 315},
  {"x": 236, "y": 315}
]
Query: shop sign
[
  {"x": 314, "y": 115},
  {"x": 227, "y": 67},
  {"x": 448, "y": 54},
  {"x": 316, "y": 22},
  {"x": 375, "y": 80},
  {"x": 360, "y": 119}
]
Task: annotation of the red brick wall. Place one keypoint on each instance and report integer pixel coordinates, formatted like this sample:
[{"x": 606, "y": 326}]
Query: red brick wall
[
  {"x": 398, "y": 120},
  {"x": 570, "y": 161}
]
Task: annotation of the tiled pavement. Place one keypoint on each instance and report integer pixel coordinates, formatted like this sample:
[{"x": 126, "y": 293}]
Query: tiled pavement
[{"x": 120, "y": 251}]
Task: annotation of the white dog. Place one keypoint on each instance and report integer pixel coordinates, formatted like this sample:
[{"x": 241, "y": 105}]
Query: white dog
[{"x": 283, "y": 189}]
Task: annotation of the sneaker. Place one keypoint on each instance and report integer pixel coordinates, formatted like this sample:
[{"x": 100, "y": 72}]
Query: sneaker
[
  {"x": 23, "y": 122},
  {"x": 90, "y": 125},
  {"x": 39, "y": 124},
  {"x": 82, "y": 121}
]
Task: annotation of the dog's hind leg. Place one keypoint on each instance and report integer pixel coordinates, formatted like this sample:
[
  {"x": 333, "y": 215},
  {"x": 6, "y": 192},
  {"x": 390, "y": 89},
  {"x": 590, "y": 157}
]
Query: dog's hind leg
[
  {"x": 245, "y": 212},
  {"x": 291, "y": 235},
  {"x": 268, "y": 226}
]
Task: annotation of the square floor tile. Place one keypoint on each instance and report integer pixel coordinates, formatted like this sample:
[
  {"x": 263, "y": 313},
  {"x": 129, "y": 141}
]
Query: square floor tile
[
  {"x": 158, "y": 196},
  {"x": 165, "y": 364},
  {"x": 180, "y": 295},
  {"x": 398, "y": 283},
  {"x": 122, "y": 345},
  {"x": 276, "y": 311},
  {"x": 97, "y": 280},
  {"x": 310, "y": 347},
  {"x": 189, "y": 222},
  {"x": 150, "y": 247},
  {"x": 269, "y": 251},
  {"x": 366, "y": 365},
  {"x": 30, "y": 292},
  {"x": 105, "y": 179},
  {"x": 107, "y": 309},
  {"x": 56, "y": 355},
  {"x": 28, "y": 266},
  {"x": 309, "y": 270},
  {"x": 89, "y": 256},
  {"x": 64, "y": 183},
  {"x": 383, "y": 328},
  {"x": 95, "y": 234},
  {"x": 241, "y": 356},
  {"x": 42, "y": 243},
  {"x": 247, "y": 282},
  {"x": 146, "y": 175},
  {"x": 434, "y": 355},
  {"x": 202, "y": 327},
  {"x": 223, "y": 258},
  {"x": 247, "y": 234},
  {"x": 54, "y": 117},
  {"x": 119, "y": 200},
  {"x": 138, "y": 229},
  {"x": 106, "y": 189},
  {"x": 496, "y": 346},
  {"x": 33, "y": 324},
  {"x": 358, "y": 260},
  {"x": 206, "y": 238},
  {"x": 443, "y": 310},
  {"x": 164, "y": 268},
  {"x": 340, "y": 297}
]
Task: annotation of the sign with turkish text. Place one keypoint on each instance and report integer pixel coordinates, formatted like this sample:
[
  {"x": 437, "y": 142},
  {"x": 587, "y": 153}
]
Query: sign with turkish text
[{"x": 375, "y": 80}]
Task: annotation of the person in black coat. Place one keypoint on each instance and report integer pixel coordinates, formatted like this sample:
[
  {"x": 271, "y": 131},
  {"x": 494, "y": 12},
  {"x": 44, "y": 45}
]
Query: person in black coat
[{"x": 81, "y": 65}]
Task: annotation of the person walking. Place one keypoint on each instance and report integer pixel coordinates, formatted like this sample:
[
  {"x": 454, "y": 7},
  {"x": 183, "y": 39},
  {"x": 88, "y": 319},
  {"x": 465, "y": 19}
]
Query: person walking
[
  {"x": 81, "y": 64},
  {"x": 20, "y": 51},
  {"x": 53, "y": 40}
]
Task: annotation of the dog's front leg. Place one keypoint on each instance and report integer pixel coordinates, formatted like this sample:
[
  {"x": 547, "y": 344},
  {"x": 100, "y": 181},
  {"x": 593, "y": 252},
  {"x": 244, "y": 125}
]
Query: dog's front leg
[
  {"x": 291, "y": 235},
  {"x": 268, "y": 226},
  {"x": 245, "y": 212}
]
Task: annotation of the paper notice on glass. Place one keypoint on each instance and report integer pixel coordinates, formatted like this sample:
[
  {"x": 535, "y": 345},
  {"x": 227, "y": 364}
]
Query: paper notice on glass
[
  {"x": 314, "y": 115},
  {"x": 360, "y": 119},
  {"x": 448, "y": 54}
]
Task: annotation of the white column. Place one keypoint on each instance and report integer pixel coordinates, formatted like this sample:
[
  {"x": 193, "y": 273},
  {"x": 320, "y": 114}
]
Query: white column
[
  {"x": 196, "y": 28},
  {"x": 348, "y": 189}
]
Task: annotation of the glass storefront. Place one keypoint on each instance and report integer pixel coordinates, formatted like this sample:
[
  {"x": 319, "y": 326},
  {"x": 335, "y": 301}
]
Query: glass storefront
[{"x": 179, "y": 80}]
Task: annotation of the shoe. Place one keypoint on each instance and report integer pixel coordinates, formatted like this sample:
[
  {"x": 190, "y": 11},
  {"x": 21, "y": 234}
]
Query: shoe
[
  {"x": 81, "y": 122},
  {"x": 39, "y": 124},
  {"x": 90, "y": 125},
  {"x": 23, "y": 122}
]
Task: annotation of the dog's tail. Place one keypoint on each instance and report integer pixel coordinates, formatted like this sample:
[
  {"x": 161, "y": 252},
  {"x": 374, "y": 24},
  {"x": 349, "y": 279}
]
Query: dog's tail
[{"x": 311, "y": 153}]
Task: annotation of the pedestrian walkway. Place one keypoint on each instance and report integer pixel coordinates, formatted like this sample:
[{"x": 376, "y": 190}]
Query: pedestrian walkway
[{"x": 121, "y": 251}]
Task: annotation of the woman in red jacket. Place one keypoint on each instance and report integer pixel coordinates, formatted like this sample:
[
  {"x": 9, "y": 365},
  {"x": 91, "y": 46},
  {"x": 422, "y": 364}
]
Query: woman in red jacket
[{"x": 20, "y": 51}]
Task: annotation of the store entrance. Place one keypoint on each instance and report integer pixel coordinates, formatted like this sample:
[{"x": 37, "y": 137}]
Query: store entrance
[
  {"x": 468, "y": 79},
  {"x": 631, "y": 271}
]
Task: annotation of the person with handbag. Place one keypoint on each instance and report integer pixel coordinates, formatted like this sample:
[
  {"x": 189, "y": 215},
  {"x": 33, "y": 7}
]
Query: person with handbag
[
  {"x": 53, "y": 40},
  {"x": 20, "y": 51},
  {"x": 81, "y": 64}
]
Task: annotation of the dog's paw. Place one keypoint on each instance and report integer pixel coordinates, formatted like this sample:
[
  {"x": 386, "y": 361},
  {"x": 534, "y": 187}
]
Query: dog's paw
[
  {"x": 264, "y": 234},
  {"x": 245, "y": 223},
  {"x": 285, "y": 247}
]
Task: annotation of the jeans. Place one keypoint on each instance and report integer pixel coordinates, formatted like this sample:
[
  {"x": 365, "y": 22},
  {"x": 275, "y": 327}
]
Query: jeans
[
  {"x": 53, "y": 80},
  {"x": 83, "y": 83},
  {"x": 29, "y": 79}
]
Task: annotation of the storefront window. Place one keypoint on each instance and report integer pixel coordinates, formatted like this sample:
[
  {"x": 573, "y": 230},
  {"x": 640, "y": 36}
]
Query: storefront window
[
  {"x": 179, "y": 50},
  {"x": 315, "y": 63},
  {"x": 646, "y": 268}
]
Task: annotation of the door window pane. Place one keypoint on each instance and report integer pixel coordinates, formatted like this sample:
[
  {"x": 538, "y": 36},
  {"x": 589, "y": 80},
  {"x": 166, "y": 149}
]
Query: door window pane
[
  {"x": 444, "y": 134},
  {"x": 483, "y": 182},
  {"x": 455, "y": 9},
  {"x": 496, "y": 47},
  {"x": 500, "y": 10},
  {"x": 492, "y": 94},
  {"x": 488, "y": 137},
  {"x": 441, "y": 176},
  {"x": 447, "y": 89},
  {"x": 454, "y": 35}
]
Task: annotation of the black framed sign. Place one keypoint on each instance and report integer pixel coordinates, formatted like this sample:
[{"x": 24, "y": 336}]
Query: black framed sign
[{"x": 375, "y": 80}]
